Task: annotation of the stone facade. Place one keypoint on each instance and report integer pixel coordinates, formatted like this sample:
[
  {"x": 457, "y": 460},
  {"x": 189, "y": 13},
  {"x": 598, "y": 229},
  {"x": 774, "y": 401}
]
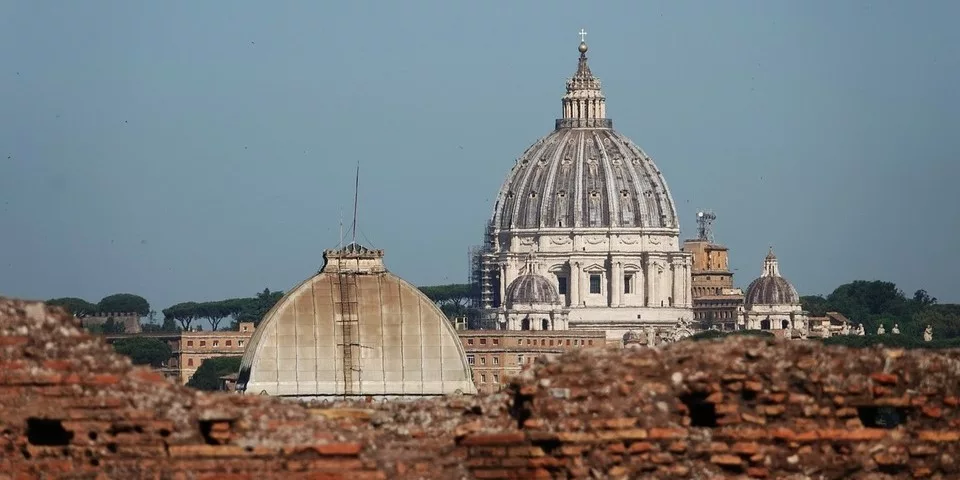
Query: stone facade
[
  {"x": 597, "y": 213},
  {"x": 130, "y": 321}
]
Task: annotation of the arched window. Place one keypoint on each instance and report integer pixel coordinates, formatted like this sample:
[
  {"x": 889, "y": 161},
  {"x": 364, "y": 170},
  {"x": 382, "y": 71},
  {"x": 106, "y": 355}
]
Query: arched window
[
  {"x": 785, "y": 324},
  {"x": 765, "y": 324},
  {"x": 525, "y": 324},
  {"x": 545, "y": 324}
]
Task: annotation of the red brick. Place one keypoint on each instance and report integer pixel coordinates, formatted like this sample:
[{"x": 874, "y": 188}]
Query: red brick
[
  {"x": 494, "y": 439},
  {"x": 667, "y": 433},
  {"x": 938, "y": 436},
  {"x": 884, "y": 378}
]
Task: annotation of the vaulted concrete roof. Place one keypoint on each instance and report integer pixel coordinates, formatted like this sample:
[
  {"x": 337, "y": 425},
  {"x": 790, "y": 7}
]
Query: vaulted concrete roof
[{"x": 355, "y": 329}]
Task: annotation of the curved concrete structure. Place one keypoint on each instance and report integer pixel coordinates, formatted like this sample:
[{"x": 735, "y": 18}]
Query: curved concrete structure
[{"x": 355, "y": 329}]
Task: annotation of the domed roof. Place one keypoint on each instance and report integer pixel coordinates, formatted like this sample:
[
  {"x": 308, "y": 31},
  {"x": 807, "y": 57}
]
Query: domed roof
[
  {"x": 355, "y": 329},
  {"x": 771, "y": 288},
  {"x": 530, "y": 289},
  {"x": 584, "y": 173}
]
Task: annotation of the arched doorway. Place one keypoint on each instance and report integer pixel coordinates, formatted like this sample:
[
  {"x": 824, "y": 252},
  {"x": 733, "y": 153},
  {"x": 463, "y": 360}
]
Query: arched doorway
[
  {"x": 525, "y": 324},
  {"x": 765, "y": 324},
  {"x": 785, "y": 324},
  {"x": 545, "y": 324}
]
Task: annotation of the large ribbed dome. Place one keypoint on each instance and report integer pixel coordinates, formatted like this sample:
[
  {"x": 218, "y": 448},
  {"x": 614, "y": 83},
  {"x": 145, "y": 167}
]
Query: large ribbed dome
[
  {"x": 584, "y": 173},
  {"x": 771, "y": 288}
]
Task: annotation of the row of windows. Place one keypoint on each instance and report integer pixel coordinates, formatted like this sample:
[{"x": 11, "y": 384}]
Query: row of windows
[
  {"x": 216, "y": 343},
  {"x": 714, "y": 315},
  {"x": 543, "y": 342},
  {"x": 483, "y": 360},
  {"x": 596, "y": 283},
  {"x": 483, "y": 378},
  {"x": 483, "y": 341}
]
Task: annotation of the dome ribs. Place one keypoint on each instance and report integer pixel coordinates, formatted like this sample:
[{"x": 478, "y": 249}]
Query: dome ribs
[
  {"x": 578, "y": 185},
  {"x": 550, "y": 206},
  {"x": 613, "y": 200}
]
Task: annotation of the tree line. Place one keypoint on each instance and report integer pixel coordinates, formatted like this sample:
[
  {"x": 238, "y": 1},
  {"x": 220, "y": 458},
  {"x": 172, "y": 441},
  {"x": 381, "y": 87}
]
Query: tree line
[{"x": 877, "y": 302}]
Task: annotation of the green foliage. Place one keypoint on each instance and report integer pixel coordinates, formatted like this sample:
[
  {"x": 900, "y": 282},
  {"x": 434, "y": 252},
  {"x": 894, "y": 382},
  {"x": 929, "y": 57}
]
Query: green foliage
[
  {"x": 207, "y": 376},
  {"x": 715, "y": 334},
  {"x": 112, "y": 326},
  {"x": 144, "y": 350},
  {"x": 815, "y": 304},
  {"x": 251, "y": 309},
  {"x": 184, "y": 313},
  {"x": 124, "y": 303},
  {"x": 75, "y": 306},
  {"x": 893, "y": 341}
]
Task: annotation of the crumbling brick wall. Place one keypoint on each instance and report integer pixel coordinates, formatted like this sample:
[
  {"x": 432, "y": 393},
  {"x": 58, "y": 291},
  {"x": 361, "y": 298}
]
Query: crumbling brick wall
[{"x": 71, "y": 408}]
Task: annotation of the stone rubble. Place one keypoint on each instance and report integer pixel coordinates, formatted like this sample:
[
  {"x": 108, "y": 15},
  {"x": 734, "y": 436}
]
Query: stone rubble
[{"x": 734, "y": 408}]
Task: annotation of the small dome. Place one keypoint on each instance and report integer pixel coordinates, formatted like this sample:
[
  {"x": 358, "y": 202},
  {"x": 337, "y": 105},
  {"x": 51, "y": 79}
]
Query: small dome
[
  {"x": 530, "y": 289},
  {"x": 771, "y": 291},
  {"x": 771, "y": 288}
]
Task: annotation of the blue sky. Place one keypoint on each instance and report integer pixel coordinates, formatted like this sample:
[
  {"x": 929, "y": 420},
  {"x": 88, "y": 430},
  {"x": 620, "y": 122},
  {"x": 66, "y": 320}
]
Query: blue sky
[{"x": 188, "y": 150}]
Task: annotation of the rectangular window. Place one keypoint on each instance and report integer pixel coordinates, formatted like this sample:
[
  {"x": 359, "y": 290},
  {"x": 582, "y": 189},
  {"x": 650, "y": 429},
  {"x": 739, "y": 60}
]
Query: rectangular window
[
  {"x": 216, "y": 343},
  {"x": 189, "y": 343},
  {"x": 496, "y": 378},
  {"x": 568, "y": 342},
  {"x": 594, "y": 283},
  {"x": 496, "y": 360},
  {"x": 203, "y": 343},
  {"x": 519, "y": 341},
  {"x": 628, "y": 283},
  {"x": 483, "y": 378},
  {"x": 551, "y": 342},
  {"x": 562, "y": 284},
  {"x": 519, "y": 359},
  {"x": 483, "y": 341},
  {"x": 239, "y": 343},
  {"x": 469, "y": 341},
  {"x": 590, "y": 342},
  {"x": 470, "y": 359},
  {"x": 496, "y": 341},
  {"x": 483, "y": 360},
  {"x": 189, "y": 362},
  {"x": 229, "y": 343}
]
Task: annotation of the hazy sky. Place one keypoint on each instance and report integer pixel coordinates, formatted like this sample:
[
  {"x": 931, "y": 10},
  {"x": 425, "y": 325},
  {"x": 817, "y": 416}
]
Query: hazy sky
[{"x": 198, "y": 150}]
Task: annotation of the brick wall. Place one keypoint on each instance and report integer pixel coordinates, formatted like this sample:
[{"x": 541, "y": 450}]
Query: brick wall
[{"x": 70, "y": 408}]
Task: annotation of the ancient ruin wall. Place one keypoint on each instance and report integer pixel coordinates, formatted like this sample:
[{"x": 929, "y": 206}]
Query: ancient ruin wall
[{"x": 750, "y": 408}]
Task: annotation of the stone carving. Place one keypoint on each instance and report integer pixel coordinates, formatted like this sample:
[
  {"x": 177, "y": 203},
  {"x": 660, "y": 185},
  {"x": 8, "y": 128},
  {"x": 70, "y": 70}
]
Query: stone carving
[
  {"x": 651, "y": 336},
  {"x": 527, "y": 240},
  {"x": 845, "y": 329},
  {"x": 560, "y": 240},
  {"x": 881, "y": 330},
  {"x": 928, "y": 333},
  {"x": 896, "y": 329},
  {"x": 860, "y": 330},
  {"x": 629, "y": 239},
  {"x": 681, "y": 330},
  {"x": 594, "y": 240}
]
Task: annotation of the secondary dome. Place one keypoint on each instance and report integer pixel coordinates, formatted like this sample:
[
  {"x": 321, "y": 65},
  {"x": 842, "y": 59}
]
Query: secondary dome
[
  {"x": 584, "y": 173},
  {"x": 531, "y": 289},
  {"x": 355, "y": 329},
  {"x": 771, "y": 288}
]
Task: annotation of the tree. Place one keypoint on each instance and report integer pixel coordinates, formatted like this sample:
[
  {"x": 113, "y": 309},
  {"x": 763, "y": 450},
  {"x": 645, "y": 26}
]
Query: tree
[
  {"x": 213, "y": 311},
  {"x": 262, "y": 304},
  {"x": 207, "y": 376},
  {"x": 144, "y": 350},
  {"x": 112, "y": 326},
  {"x": 817, "y": 305},
  {"x": 184, "y": 313},
  {"x": 77, "y": 307},
  {"x": 124, "y": 303}
]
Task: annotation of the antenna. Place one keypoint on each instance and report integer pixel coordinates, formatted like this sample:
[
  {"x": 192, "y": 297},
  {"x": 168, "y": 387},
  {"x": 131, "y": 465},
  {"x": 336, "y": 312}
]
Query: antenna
[
  {"x": 340, "y": 245},
  {"x": 705, "y": 220},
  {"x": 356, "y": 196}
]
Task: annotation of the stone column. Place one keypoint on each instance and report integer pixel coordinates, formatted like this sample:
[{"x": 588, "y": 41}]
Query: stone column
[
  {"x": 574, "y": 288},
  {"x": 503, "y": 284},
  {"x": 618, "y": 294},
  {"x": 677, "y": 273}
]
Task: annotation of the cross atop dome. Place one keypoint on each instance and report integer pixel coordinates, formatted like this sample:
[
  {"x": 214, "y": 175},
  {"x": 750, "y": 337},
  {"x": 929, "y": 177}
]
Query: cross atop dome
[{"x": 770, "y": 266}]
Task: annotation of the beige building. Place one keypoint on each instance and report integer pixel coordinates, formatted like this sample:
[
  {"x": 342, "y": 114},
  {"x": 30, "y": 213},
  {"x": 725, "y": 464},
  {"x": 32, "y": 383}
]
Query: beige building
[
  {"x": 496, "y": 355},
  {"x": 594, "y": 213},
  {"x": 355, "y": 330}
]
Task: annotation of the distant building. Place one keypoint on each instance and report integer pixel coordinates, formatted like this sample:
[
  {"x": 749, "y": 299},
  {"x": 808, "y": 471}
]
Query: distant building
[
  {"x": 190, "y": 349},
  {"x": 772, "y": 302},
  {"x": 597, "y": 213},
  {"x": 716, "y": 302},
  {"x": 130, "y": 321},
  {"x": 496, "y": 355}
]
